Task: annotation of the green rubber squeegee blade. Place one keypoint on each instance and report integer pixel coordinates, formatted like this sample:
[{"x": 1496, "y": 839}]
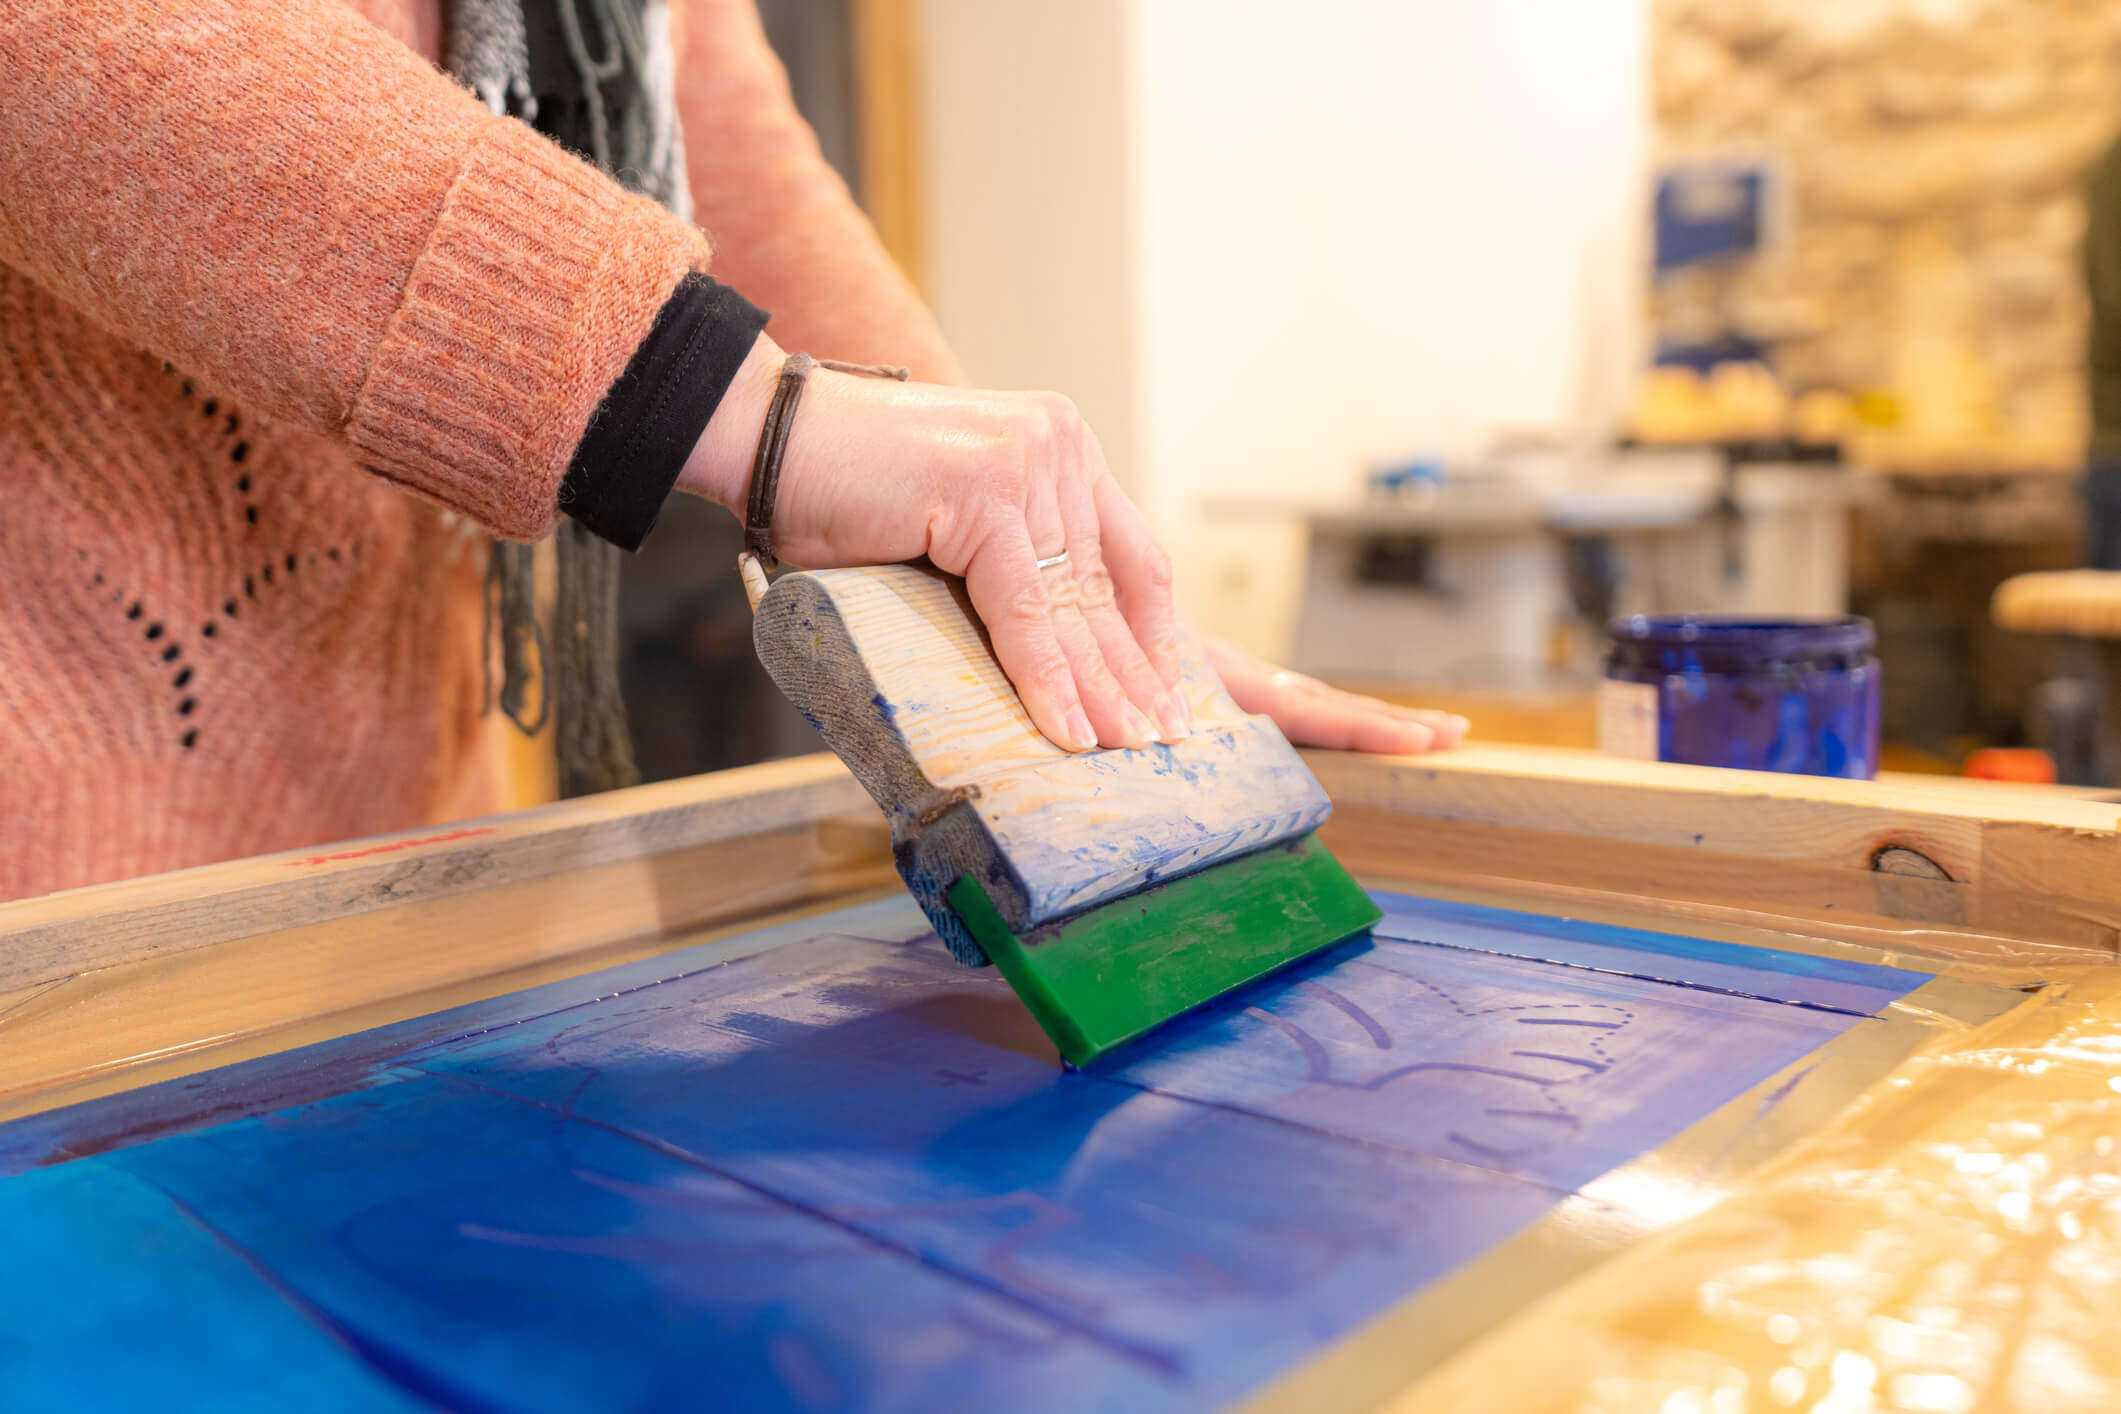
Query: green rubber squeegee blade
[{"x": 1104, "y": 976}]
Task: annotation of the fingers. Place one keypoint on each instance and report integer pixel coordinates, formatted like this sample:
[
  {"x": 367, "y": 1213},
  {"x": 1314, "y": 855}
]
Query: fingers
[
  {"x": 1097, "y": 601},
  {"x": 1141, "y": 576},
  {"x": 1112, "y": 711},
  {"x": 1313, "y": 714},
  {"x": 984, "y": 485},
  {"x": 1449, "y": 728},
  {"x": 1112, "y": 714},
  {"x": 1372, "y": 725},
  {"x": 1008, "y": 591}
]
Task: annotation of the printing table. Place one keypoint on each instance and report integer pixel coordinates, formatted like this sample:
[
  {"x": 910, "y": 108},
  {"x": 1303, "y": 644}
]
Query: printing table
[{"x": 1659, "y": 1088}]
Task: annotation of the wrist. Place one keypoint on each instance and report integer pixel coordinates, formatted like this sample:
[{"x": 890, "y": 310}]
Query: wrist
[{"x": 719, "y": 466}]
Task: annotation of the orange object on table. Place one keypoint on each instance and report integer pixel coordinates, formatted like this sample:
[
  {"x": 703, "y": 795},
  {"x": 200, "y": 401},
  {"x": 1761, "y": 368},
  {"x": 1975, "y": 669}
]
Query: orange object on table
[{"x": 2022, "y": 764}]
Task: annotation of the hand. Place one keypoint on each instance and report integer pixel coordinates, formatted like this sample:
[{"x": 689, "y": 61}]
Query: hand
[
  {"x": 1312, "y": 714},
  {"x": 985, "y": 485}
]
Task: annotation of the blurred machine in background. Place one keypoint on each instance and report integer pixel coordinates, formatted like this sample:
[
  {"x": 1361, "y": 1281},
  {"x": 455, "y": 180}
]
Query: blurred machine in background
[
  {"x": 1501, "y": 572},
  {"x": 1485, "y": 582},
  {"x": 1932, "y": 546}
]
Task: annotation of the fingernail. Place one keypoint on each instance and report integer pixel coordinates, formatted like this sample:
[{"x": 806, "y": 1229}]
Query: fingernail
[
  {"x": 1463, "y": 724},
  {"x": 1172, "y": 713},
  {"x": 1140, "y": 730},
  {"x": 1182, "y": 710},
  {"x": 1080, "y": 734}
]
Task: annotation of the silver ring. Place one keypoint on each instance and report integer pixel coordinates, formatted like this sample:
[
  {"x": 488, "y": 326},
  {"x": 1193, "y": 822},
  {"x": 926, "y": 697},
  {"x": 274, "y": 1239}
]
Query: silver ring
[{"x": 1051, "y": 560}]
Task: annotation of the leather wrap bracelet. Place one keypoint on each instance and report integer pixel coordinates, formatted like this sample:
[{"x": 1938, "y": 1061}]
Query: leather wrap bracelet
[{"x": 758, "y": 558}]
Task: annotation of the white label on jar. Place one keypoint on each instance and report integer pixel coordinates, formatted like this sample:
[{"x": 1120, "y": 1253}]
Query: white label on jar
[{"x": 1627, "y": 719}]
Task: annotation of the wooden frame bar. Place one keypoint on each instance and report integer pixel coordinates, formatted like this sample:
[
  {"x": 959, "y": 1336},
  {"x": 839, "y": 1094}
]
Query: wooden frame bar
[
  {"x": 150, "y": 978},
  {"x": 129, "y": 921},
  {"x": 1948, "y": 868},
  {"x": 108, "y": 987}
]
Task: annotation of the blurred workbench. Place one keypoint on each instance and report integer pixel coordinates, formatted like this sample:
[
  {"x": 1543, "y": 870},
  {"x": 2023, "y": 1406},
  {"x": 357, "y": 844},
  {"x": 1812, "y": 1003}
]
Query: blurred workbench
[
  {"x": 1943, "y": 526},
  {"x": 1552, "y": 713},
  {"x": 1506, "y": 566}
]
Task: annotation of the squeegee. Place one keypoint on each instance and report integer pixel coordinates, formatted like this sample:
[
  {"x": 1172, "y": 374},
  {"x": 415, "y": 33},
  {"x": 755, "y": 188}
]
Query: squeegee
[{"x": 1113, "y": 889}]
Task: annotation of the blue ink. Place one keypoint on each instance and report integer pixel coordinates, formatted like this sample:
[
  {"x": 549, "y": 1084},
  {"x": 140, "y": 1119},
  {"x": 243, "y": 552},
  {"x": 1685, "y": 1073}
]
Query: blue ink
[
  {"x": 1798, "y": 979},
  {"x": 1766, "y": 695},
  {"x": 845, "y": 1174}
]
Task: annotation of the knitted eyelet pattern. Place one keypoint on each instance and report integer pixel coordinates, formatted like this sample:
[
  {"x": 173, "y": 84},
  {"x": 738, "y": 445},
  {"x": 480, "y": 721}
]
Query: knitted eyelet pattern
[
  {"x": 166, "y": 643},
  {"x": 218, "y": 635}
]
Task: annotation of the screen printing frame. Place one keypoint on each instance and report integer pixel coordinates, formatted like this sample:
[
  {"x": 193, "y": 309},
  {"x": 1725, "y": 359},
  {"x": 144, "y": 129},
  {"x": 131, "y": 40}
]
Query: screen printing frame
[{"x": 111, "y": 988}]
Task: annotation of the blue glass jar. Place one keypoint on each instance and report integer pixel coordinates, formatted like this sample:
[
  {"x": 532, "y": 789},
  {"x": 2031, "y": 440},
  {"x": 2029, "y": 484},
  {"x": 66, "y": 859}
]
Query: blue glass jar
[{"x": 1798, "y": 695}]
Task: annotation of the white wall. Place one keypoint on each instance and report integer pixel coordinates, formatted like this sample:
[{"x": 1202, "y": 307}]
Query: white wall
[
  {"x": 1264, "y": 244},
  {"x": 1028, "y": 188}
]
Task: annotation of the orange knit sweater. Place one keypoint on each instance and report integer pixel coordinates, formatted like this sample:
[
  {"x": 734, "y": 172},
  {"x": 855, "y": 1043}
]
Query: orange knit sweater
[{"x": 264, "y": 271}]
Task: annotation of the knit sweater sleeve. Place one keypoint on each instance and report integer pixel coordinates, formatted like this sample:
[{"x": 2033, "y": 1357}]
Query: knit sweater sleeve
[
  {"x": 283, "y": 199},
  {"x": 786, "y": 231}
]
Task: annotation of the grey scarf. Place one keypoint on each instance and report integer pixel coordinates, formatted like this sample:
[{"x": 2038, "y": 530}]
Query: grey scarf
[{"x": 599, "y": 77}]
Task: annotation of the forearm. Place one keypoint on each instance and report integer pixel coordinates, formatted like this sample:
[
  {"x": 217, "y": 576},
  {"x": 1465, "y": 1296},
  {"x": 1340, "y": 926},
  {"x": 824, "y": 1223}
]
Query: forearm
[
  {"x": 786, "y": 231},
  {"x": 282, "y": 199}
]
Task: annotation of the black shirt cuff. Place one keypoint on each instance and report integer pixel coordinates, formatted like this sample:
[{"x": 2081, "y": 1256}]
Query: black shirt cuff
[{"x": 650, "y": 419}]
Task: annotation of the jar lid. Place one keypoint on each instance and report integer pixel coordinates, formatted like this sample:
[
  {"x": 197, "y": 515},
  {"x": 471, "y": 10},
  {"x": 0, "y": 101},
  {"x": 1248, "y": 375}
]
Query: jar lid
[{"x": 1739, "y": 643}]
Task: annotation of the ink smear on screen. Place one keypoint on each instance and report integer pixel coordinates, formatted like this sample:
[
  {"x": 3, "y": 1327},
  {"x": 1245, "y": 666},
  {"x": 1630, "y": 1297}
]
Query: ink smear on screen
[{"x": 846, "y": 1174}]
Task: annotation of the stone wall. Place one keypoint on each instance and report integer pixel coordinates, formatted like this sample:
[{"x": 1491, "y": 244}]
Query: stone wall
[{"x": 1934, "y": 151}]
